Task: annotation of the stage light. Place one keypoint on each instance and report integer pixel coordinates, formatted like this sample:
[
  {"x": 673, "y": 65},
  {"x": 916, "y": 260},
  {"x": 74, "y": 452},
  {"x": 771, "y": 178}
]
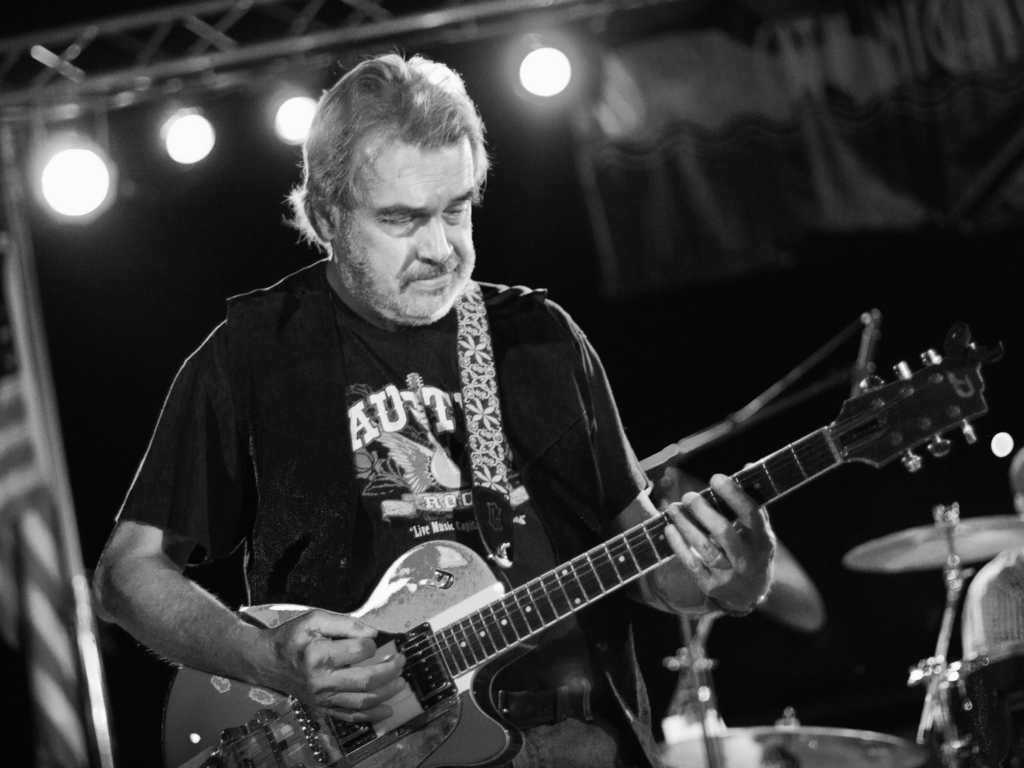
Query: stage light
[
  {"x": 76, "y": 179},
  {"x": 1002, "y": 445},
  {"x": 545, "y": 72},
  {"x": 188, "y": 136},
  {"x": 293, "y": 118}
]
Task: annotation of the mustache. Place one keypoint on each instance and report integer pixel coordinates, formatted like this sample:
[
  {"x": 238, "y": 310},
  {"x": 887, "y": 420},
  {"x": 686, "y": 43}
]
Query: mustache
[{"x": 439, "y": 270}]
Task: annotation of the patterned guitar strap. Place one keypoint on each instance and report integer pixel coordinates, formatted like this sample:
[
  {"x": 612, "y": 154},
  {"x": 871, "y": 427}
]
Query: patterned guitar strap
[{"x": 492, "y": 502}]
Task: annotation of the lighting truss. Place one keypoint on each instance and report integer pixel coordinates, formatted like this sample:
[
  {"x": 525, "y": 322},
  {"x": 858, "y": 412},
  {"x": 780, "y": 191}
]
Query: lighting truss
[{"x": 224, "y": 44}]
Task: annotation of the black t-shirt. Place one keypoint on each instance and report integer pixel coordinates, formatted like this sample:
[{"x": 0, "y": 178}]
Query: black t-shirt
[{"x": 412, "y": 470}]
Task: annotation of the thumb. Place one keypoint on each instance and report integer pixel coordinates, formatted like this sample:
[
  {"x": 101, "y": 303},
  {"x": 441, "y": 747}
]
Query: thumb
[{"x": 335, "y": 625}]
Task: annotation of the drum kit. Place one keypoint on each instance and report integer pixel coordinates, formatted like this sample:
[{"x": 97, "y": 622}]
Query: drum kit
[{"x": 973, "y": 714}]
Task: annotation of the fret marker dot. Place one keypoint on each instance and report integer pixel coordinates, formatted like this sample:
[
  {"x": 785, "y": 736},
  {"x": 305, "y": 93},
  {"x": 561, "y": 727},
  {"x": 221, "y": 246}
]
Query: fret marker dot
[
  {"x": 577, "y": 601},
  {"x": 528, "y": 609},
  {"x": 565, "y": 571},
  {"x": 621, "y": 559},
  {"x": 463, "y": 644},
  {"x": 481, "y": 634},
  {"x": 504, "y": 622}
]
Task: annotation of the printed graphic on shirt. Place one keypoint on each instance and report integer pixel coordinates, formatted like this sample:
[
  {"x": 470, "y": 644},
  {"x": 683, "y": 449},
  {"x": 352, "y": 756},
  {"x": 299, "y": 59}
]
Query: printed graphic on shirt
[
  {"x": 399, "y": 455},
  {"x": 403, "y": 442}
]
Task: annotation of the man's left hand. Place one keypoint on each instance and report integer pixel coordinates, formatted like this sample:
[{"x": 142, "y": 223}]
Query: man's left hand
[{"x": 731, "y": 562}]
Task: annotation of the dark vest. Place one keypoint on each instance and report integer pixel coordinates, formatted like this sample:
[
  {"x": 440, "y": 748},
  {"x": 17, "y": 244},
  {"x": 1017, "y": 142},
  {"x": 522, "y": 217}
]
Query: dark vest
[{"x": 288, "y": 382}]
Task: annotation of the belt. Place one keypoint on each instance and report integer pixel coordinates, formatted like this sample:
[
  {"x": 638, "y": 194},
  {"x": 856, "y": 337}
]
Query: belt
[{"x": 525, "y": 709}]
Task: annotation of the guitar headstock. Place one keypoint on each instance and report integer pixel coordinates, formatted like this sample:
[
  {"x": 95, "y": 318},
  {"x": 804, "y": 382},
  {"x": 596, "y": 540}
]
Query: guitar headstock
[{"x": 887, "y": 421}]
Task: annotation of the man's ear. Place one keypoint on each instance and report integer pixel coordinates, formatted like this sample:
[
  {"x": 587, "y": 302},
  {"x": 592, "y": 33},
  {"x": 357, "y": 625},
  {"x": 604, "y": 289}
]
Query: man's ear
[
  {"x": 1018, "y": 503},
  {"x": 328, "y": 221}
]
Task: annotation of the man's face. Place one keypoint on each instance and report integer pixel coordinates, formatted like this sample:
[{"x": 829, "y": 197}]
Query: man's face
[{"x": 405, "y": 251}]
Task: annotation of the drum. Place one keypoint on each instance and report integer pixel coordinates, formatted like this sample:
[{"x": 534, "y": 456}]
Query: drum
[
  {"x": 987, "y": 705},
  {"x": 798, "y": 747}
]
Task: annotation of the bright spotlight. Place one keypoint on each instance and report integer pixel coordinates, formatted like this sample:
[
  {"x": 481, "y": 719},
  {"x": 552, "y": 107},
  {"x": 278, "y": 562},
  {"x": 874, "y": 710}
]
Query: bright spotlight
[
  {"x": 545, "y": 72},
  {"x": 75, "y": 176},
  {"x": 1002, "y": 445},
  {"x": 188, "y": 136},
  {"x": 293, "y": 119}
]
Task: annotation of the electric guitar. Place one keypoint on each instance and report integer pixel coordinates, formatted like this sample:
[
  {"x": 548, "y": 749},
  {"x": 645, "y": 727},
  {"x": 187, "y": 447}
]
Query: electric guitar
[{"x": 441, "y": 606}]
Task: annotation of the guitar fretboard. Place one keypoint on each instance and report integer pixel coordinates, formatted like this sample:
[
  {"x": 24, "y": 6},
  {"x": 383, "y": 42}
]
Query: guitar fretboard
[{"x": 536, "y": 605}]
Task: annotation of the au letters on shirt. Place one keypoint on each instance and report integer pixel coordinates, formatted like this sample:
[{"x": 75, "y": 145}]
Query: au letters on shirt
[{"x": 402, "y": 440}]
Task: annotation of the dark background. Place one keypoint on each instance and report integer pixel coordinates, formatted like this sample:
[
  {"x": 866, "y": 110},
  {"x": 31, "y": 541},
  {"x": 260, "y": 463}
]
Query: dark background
[{"x": 129, "y": 295}]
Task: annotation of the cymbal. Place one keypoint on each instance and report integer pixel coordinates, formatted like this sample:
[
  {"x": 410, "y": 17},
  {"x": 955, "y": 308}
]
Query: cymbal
[
  {"x": 805, "y": 746},
  {"x": 793, "y": 601},
  {"x": 926, "y": 547}
]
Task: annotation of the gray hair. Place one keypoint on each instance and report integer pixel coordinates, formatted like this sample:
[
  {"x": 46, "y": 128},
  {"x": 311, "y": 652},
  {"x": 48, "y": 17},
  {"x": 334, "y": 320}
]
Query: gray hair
[{"x": 419, "y": 102}]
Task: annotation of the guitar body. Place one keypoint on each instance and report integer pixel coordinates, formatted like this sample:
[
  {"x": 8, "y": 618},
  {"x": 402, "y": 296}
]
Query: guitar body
[{"x": 435, "y": 583}]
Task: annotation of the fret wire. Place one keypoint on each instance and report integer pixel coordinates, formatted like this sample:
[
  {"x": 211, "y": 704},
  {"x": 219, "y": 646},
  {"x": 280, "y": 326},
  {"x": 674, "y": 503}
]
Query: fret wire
[
  {"x": 520, "y": 614},
  {"x": 785, "y": 474},
  {"x": 572, "y": 586},
  {"x": 511, "y": 609},
  {"x": 559, "y": 599},
  {"x": 531, "y": 613},
  {"x": 620, "y": 562},
  {"x": 796, "y": 458},
  {"x": 592, "y": 576},
  {"x": 472, "y": 642},
  {"x": 481, "y": 635},
  {"x": 606, "y": 577},
  {"x": 643, "y": 549},
  {"x": 542, "y": 601},
  {"x": 453, "y": 643},
  {"x": 502, "y": 622},
  {"x": 631, "y": 546},
  {"x": 661, "y": 545}
]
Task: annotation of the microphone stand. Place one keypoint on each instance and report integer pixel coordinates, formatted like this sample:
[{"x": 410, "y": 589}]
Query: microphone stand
[{"x": 756, "y": 410}]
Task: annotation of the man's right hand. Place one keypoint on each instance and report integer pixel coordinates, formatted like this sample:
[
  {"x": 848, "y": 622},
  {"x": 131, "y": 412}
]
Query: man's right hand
[{"x": 316, "y": 657}]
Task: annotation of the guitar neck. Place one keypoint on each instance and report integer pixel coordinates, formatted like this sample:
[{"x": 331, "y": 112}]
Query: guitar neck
[{"x": 536, "y": 605}]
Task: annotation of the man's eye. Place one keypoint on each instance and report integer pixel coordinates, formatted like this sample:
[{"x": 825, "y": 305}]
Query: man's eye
[{"x": 456, "y": 214}]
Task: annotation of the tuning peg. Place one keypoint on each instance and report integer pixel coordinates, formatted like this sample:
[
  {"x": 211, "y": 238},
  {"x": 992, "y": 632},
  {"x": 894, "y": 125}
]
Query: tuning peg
[
  {"x": 911, "y": 461},
  {"x": 969, "y": 434},
  {"x": 870, "y": 383},
  {"x": 939, "y": 446},
  {"x": 902, "y": 369},
  {"x": 931, "y": 357}
]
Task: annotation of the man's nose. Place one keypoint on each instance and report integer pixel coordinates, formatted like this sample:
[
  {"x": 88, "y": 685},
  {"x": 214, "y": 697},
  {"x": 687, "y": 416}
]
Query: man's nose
[{"x": 433, "y": 244}]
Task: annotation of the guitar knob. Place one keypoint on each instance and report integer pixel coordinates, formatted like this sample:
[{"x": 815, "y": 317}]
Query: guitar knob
[
  {"x": 969, "y": 434},
  {"x": 931, "y": 357},
  {"x": 911, "y": 461},
  {"x": 870, "y": 383},
  {"x": 903, "y": 370},
  {"x": 939, "y": 446}
]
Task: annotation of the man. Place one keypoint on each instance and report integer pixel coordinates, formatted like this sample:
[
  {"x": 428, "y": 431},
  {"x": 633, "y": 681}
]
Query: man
[
  {"x": 324, "y": 424},
  {"x": 993, "y": 612}
]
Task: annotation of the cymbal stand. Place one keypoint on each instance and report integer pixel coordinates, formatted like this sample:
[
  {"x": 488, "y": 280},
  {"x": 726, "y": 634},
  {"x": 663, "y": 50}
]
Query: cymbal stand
[
  {"x": 934, "y": 671},
  {"x": 694, "y": 697}
]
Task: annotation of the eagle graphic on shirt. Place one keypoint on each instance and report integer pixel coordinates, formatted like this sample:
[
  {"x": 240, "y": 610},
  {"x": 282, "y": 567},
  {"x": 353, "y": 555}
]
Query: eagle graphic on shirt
[{"x": 408, "y": 469}]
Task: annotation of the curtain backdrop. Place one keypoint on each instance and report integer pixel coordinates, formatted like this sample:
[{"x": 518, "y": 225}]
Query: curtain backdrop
[{"x": 707, "y": 153}]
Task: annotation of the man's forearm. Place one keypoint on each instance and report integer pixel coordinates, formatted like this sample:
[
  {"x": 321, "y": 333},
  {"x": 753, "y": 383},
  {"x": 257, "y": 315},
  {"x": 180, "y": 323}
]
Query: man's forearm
[{"x": 178, "y": 619}]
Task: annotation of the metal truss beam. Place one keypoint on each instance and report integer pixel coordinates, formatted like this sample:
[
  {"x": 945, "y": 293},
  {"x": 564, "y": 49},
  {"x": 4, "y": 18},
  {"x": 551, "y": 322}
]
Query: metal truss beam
[{"x": 223, "y": 44}]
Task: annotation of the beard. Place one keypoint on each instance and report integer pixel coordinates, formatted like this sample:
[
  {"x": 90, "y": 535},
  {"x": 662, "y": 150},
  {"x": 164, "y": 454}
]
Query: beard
[{"x": 401, "y": 299}]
